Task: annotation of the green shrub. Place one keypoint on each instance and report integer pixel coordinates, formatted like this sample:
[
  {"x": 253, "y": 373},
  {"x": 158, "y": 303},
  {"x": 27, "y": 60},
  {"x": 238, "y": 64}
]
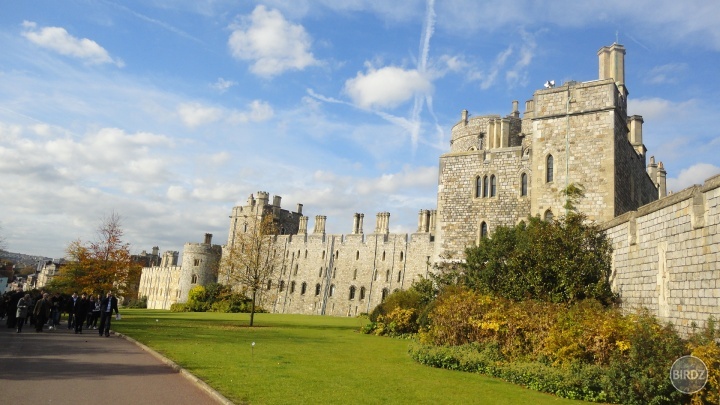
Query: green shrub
[
  {"x": 140, "y": 303},
  {"x": 178, "y": 308}
]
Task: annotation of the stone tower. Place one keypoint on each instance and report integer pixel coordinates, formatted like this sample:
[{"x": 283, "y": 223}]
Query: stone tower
[
  {"x": 286, "y": 222},
  {"x": 199, "y": 265},
  {"x": 501, "y": 169}
]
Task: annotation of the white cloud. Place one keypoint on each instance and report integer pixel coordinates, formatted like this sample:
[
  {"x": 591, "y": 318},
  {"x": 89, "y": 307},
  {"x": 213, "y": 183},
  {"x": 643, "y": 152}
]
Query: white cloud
[
  {"x": 59, "y": 40},
  {"x": 223, "y": 85},
  {"x": 195, "y": 114},
  {"x": 271, "y": 42},
  {"x": 695, "y": 174},
  {"x": 258, "y": 111},
  {"x": 386, "y": 87},
  {"x": 658, "y": 108},
  {"x": 488, "y": 77},
  {"x": 394, "y": 182},
  {"x": 669, "y": 73}
]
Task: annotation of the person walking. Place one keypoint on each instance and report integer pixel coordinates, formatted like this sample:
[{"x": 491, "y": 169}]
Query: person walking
[
  {"x": 107, "y": 306},
  {"x": 71, "y": 310},
  {"x": 95, "y": 314},
  {"x": 42, "y": 312},
  {"x": 81, "y": 310},
  {"x": 22, "y": 311}
]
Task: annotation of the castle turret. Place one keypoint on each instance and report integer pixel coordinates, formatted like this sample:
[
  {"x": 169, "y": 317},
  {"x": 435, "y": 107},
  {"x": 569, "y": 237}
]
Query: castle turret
[
  {"x": 382, "y": 225},
  {"x": 302, "y": 227},
  {"x": 358, "y": 224},
  {"x": 262, "y": 198},
  {"x": 661, "y": 180},
  {"x": 320, "y": 224},
  {"x": 612, "y": 65}
]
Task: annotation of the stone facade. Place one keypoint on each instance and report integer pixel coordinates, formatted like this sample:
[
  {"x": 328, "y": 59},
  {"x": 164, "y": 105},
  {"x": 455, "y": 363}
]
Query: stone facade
[
  {"x": 666, "y": 255},
  {"x": 500, "y": 170}
]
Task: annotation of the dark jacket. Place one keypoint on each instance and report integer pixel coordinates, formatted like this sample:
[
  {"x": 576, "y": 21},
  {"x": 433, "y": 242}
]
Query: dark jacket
[
  {"x": 113, "y": 304},
  {"x": 42, "y": 308}
]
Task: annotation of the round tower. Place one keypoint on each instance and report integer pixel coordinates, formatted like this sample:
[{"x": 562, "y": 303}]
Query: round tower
[{"x": 199, "y": 265}]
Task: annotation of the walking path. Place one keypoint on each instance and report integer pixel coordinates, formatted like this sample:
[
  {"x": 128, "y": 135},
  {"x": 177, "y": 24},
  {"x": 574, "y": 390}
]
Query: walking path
[{"x": 61, "y": 367}]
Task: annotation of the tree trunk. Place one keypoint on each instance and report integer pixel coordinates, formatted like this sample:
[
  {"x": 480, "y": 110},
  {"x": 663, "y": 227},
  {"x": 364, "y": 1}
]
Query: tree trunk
[{"x": 252, "y": 307}]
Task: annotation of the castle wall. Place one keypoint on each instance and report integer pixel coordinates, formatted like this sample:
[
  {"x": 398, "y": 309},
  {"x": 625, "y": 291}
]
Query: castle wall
[
  {"x": 346, "y": 275},
  {"x": 460, "y": 212},
  {"x": 666, "y": 254},
  {"x": 160, "y": 285},
  {"x": 580, "y": 137}
]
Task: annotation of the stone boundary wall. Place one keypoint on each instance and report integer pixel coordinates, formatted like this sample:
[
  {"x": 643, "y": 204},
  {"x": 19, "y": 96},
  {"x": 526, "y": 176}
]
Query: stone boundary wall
[{"x": 666, "y": 254}]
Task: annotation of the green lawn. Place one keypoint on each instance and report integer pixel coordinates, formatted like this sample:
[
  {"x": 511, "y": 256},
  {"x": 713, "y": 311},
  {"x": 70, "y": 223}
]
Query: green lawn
[{"x": 309, "y": 359}]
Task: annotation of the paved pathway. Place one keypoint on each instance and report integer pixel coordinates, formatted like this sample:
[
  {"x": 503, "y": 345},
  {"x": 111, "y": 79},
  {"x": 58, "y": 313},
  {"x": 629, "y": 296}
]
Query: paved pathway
[{"x": 61, "y": 367}]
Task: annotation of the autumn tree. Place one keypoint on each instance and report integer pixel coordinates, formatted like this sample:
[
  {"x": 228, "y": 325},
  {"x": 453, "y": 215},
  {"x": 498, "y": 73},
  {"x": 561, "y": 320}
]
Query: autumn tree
[
  {"x": 250, "y": 259},
  {"x": 102, "y": 265}
]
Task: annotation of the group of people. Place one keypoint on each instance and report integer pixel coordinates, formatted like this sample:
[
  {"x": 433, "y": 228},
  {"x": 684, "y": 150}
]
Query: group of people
[{"x": 44, "y": 309}]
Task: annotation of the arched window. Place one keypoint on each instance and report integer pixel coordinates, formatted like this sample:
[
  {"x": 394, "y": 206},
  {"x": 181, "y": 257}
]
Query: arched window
[
  {"x": 483, "y": 230},
  {"x": 355, "y": 274},
  {"x": 269, "y": 284},
  {"x": 317, "y": 289},
  {"x": 292, "y": 287},
  {"x": 401, "y": 256},
  {"x": 387, "y": 276},
  {"x": 332, "y": 290},
  {"x": 334, "y": 271},
  {"x": 352, "y": 292},
  {"x": 478, "y": 187},
  {"x": 337, "y": 254},
  {"x": 193, "y": 279},
  {"x": 399, "y": 276},
  {"x": 282, "y": 285},
  {"x": 320, "y": 273},
  {"x": 549, "y": 169},
  {"x": 362, "y": 293},
  {"x": 323, "y": 255},
  {"x": 383, "y": 256},
  {"x": 549, "y": 215},
  {"x": 493, "y": 186},
  {"x": 306, "y": 253},
  {"x": 523, "y": 184},
  {"x": 385, "y": 293},
  {"x": 485, "y": 186},
  {"x": 357, "y": 255},
  {"x": 303, "y": 288},
  {"x": 296, "y": 270}
]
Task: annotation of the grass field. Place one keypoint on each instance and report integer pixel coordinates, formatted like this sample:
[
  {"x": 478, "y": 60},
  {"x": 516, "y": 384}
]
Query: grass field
[{"x": 303, "y": 359}]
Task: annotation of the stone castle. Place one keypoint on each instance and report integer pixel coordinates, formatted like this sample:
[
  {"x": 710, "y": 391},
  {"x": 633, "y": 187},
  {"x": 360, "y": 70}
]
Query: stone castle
[{"x": 498, "y": 171}]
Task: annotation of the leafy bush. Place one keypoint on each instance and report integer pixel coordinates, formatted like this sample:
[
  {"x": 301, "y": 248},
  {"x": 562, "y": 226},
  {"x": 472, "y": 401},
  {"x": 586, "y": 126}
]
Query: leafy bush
[
  {"x": 704, "y": 345},
  {"x": 136, "y": 303},
  {"x": 178, "y": 308},
  {"x": 560, "y": 261}
]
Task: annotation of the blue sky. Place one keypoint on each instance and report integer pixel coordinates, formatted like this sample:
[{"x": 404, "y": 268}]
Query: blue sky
[{"x": 170, "y": 113}]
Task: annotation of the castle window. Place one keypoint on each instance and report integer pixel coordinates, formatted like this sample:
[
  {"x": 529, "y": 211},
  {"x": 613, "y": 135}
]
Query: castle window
[
  {"x": 337, "y": 254},
  {"x": 334, "y": 271},
  {"x": 292, "y": 287},
  {"x": 306, "y": 253},
  {"x": 303, "y": 288},
  {"x": 485, "y": 186},
  {"x": 193, "y": 279},
  {"x": 385, "y": 293},
  {"x": 269, "y": 284},
  {"x": 483, "y": 230},
  {"x": 352, "y": 292},
  {"x": 478, "y": 187},
  {"x": 523, "y": 184},
  {"x": 298, "y": 255},
  {"x": 323, "y": 255},
  {"x": 357, "y": 255},
  {"x": 399, "y": 276},
  {"x": 362, "y": 293},
  {"x": 196, "y": 262},
  {"x": 387, "y": 276},
  {"x": 548, "y": 215},
  {"x": 320, "y": 273},
  {"x": 549, "y": 169},
  {"x": 493, "y": 186},
  {"x": 355, "y": 274},
  {"x": 332, "y": 290},
  {"x": 375, "y": 275},
  {"x": 296, "y": 270},
  {"x": 282, "y": 285},
  {"x": 317, "y": 289},
  {"x": 383, "y": 256},
  {"x": 401, "y": 256}
]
